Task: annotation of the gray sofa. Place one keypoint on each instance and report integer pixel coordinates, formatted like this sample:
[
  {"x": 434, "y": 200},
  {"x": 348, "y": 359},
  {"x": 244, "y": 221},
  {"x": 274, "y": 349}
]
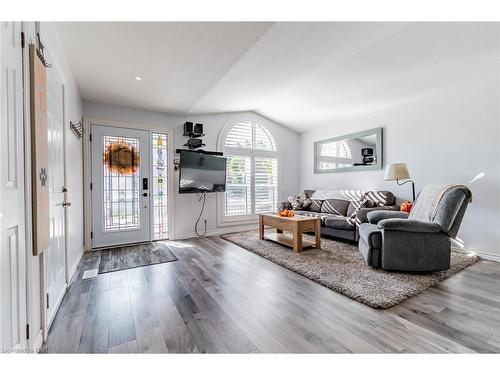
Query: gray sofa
[
  {"x": 334, "y": 212},
  {"x": 397, "y": 241}
]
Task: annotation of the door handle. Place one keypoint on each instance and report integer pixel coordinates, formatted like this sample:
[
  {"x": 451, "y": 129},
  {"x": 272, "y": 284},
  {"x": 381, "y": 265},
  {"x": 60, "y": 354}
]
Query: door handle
[{"x": 66, "y": 204}]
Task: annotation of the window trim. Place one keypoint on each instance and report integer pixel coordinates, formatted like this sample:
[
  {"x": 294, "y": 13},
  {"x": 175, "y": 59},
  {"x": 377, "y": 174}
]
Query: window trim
[{"x": 222, "y": 219}]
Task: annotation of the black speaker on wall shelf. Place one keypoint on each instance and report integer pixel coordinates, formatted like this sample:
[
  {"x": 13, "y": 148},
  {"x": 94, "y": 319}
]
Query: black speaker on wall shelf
[
  {"x": 188, "y": 128},
  {"x": 198, "y": 128},
  {"x": 193, "y": 130}
]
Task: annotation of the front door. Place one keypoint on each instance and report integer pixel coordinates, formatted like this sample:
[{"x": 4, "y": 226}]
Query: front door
[
  {"x": 55, "y": 255},
  {"x": 120, "y": 186}
]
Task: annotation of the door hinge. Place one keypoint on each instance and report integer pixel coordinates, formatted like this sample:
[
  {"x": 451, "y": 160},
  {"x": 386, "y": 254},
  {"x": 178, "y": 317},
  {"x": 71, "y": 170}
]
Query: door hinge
[
  {"x": 90, "y": 137},
  {"x": 22, "y": 39},
  {"x": 91, "y": 186},
  {"x": 48, "y": 304},
  {"x": 91, "y": 235},
  {"x": 27, "y": 331}
]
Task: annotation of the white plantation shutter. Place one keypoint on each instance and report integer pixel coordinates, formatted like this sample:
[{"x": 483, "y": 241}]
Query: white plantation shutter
[
  {"x": 240, "y": 136},
  {"x": 252, "y": 171},
  {"x": 263, "y": 139},
  {"x": 266, "y": 184},
  {"x": 238, "y": 195}
]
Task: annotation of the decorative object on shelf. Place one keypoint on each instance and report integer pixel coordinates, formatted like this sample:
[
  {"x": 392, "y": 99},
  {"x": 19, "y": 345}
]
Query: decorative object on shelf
[
  {"x": 406, "y": 207},
  {"x": 351, "y": 152},
  {"x": 77, "y": 128},
  {"x": 39, "y": 152},
  {"x": 397, "y": 172},
  {"x": 193, "y": 143},
  {"x": 121, "y": 158}
]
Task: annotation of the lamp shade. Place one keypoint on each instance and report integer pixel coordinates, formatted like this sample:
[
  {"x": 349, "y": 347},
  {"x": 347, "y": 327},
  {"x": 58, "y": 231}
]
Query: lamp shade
[{"x": 396, "y": 171}]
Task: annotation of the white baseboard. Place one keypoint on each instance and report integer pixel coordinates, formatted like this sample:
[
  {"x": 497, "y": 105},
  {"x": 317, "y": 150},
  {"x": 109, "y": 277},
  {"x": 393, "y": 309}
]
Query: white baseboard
[
  {"x": 38, "y": 342},
  {"x": 74, "y": 266},
  {"x": 480, "y": 253}
]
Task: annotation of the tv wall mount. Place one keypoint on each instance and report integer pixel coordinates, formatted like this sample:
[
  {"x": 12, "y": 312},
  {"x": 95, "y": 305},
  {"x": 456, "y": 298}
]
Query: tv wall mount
[{"x": 215, "y": 153}]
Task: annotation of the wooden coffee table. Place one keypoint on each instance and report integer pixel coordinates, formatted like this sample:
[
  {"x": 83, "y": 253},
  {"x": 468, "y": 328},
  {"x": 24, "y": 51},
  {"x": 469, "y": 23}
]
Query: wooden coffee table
[{"x": 297, "y": 225}]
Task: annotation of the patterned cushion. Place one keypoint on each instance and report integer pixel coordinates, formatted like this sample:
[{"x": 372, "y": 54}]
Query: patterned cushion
[
  {"x": 335, "y": 206},
  {"x": 309, "y": 193},
  {"x": 299, "y": 201},
  {"x": 363, "y": 202},
  {"x": 316, "y": 205},
  {"x": 381, "y": 198},
  {"x": 351, "y": 209}
]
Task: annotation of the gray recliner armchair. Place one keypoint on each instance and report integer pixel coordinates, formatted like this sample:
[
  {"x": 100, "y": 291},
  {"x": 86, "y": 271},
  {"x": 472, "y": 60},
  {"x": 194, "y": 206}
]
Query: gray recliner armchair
[{"x": 420, "y": 241}]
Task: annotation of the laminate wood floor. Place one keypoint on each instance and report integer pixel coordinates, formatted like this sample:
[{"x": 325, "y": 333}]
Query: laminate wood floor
[{"x": 220, "y": 298}]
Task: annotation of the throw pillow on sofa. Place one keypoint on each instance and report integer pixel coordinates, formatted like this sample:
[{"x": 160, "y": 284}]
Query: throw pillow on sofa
[
  {"x": 315, "y": 205},
  {"x": 363, "y": 202},
  {"x": 299, "y": 201},
  {"x": 380, "y": 198},
  {"x": 335, "y": 206}
]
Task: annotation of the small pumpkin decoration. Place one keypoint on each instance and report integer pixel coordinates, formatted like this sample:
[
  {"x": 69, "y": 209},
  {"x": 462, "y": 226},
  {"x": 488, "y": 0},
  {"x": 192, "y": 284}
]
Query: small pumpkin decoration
[
  {"x": 121, "y": 158},
  {"x": 286, "y": 213},
  {"x": 406, "y": 206}
]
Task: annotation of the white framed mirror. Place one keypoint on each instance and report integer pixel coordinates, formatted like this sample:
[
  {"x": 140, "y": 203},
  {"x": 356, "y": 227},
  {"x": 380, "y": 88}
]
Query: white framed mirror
[{"x": 352, "y": 152}]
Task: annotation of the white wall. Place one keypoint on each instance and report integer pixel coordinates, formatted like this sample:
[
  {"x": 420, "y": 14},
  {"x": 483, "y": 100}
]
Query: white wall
[
  {"x": 186, "y": 206},
  {"x": 128, "y": 115},
  {"x": 449, "y": 136}
]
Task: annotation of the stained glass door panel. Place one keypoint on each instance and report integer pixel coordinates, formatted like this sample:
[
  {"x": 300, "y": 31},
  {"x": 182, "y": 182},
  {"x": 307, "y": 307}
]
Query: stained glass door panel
[
  {"x": 121, "y": 159},
  {"x": 120, "y": 186}
]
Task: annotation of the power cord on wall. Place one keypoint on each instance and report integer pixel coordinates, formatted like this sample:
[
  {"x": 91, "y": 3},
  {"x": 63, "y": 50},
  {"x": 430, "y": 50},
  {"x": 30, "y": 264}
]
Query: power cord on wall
[{"x": 204, "y": 198}]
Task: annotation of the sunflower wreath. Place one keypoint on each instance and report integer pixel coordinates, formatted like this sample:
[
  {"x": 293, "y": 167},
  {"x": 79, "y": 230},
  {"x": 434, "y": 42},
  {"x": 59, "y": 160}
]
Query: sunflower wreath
[{"x": 121, "y": 158}]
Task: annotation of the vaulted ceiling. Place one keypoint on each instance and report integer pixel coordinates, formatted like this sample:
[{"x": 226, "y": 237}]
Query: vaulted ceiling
[{"x": 299, "y": 74}]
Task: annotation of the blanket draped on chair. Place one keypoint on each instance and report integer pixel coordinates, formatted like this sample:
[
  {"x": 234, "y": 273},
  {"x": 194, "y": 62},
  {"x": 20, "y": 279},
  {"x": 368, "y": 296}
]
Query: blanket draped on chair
[{"x": 425, "y": 207}]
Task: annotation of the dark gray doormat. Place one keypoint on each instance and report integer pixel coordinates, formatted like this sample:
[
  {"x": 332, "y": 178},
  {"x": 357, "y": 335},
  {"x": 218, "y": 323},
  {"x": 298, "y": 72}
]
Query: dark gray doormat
[
  {"x": 340, "y": 266},
  {"x": 125, "y": 257}
]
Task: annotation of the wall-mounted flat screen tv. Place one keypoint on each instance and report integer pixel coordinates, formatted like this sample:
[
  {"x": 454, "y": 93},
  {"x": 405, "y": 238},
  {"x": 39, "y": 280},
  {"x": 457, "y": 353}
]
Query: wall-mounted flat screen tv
[{"x": 201, "y": 173}]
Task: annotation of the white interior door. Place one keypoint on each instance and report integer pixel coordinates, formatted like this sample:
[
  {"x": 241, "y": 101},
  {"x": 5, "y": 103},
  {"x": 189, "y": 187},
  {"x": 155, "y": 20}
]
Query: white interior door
[
  {"x": 12, "y": 227},
  {"x": 120, "y": 197},
  {"x": 55, "y": 255}
]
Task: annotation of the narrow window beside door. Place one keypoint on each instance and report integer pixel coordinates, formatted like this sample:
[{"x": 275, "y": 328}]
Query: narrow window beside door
[{"x": 160, "y": 212}]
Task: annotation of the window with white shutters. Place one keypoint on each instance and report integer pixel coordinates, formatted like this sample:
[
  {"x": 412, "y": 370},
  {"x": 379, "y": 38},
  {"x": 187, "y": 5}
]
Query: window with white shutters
[
  {"x": 252, "y": 171},
  {"x": 266, "y": 184},
  {"x": 238, "y": 196}
]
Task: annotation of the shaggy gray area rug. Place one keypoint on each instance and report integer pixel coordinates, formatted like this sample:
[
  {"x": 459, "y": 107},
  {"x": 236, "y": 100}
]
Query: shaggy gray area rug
[{"x": 340, "y": 266}]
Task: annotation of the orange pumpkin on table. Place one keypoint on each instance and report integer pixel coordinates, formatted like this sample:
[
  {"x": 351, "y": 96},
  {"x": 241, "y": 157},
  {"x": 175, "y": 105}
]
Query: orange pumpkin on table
[
  {"x": 286, "y": 213},
  {"x": 406, "y": 207}
]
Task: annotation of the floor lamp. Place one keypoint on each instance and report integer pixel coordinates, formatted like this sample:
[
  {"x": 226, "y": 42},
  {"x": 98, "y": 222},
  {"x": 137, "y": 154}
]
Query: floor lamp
[{"x": 397, "y": 172}]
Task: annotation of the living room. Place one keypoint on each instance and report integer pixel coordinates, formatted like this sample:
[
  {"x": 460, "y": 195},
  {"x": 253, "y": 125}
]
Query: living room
[{"x": 263, "y": 187}]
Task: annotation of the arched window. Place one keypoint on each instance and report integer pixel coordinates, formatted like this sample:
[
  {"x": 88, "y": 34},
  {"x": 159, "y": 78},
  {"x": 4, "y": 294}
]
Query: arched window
[{"x": 252, "y": 171}]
